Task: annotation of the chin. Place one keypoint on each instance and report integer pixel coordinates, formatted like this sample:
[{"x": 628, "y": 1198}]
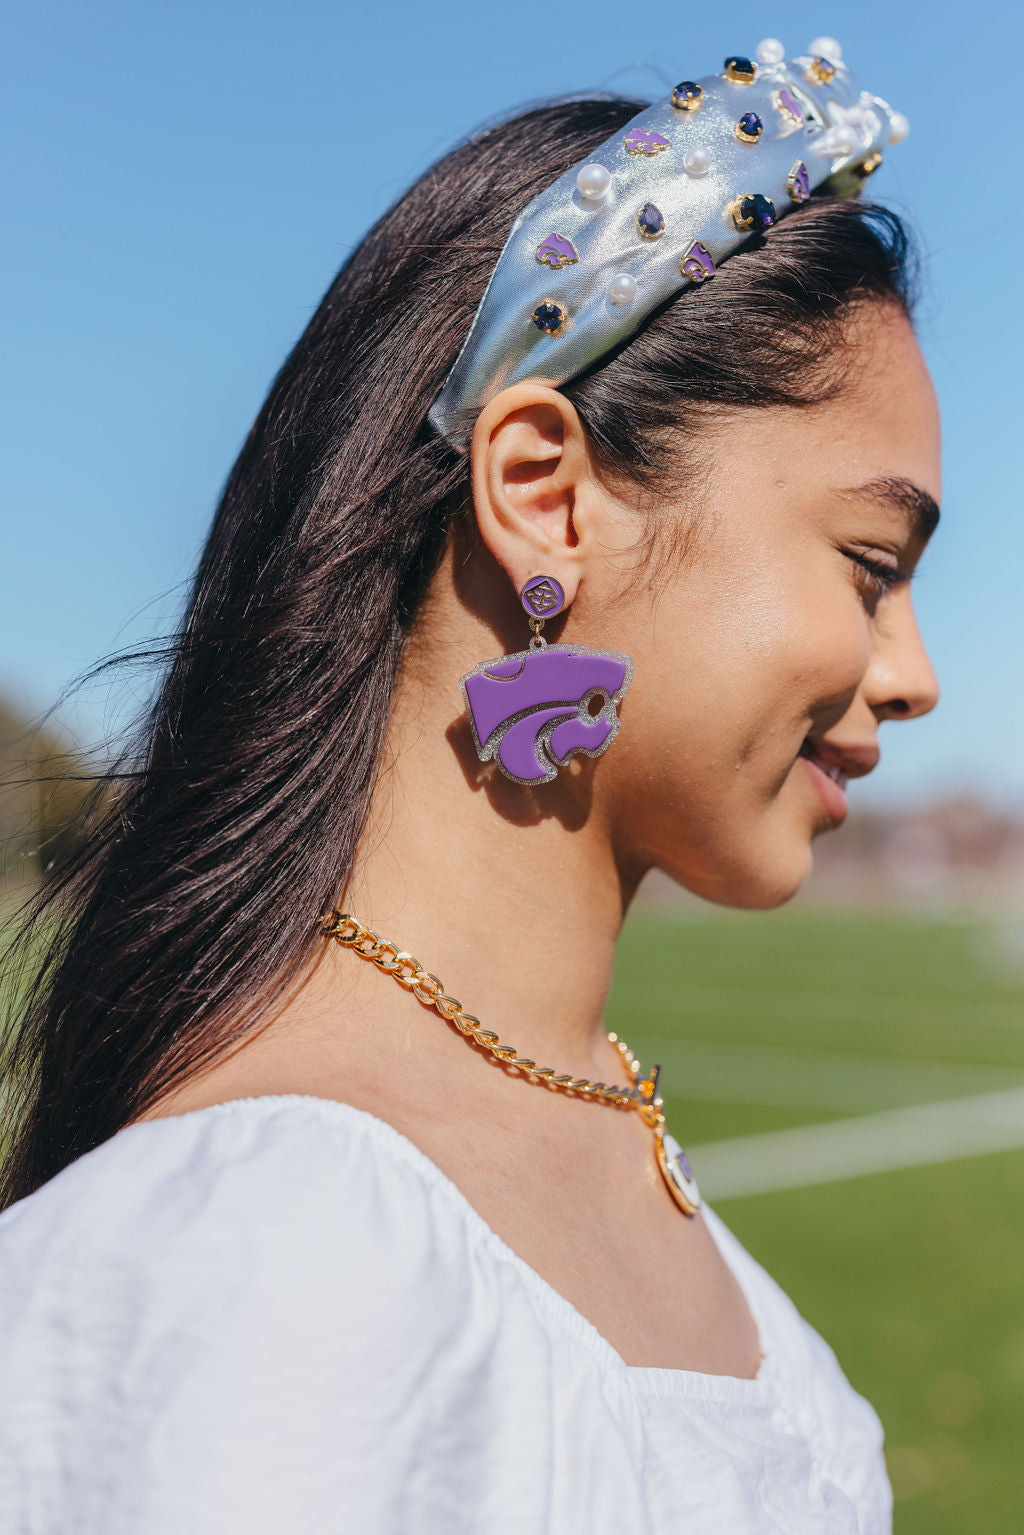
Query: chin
[{"x": 760, "y": 884}]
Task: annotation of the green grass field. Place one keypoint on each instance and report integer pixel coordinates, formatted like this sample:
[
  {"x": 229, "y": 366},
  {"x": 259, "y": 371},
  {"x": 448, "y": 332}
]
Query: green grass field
[{"x": 915, "y": 1276}]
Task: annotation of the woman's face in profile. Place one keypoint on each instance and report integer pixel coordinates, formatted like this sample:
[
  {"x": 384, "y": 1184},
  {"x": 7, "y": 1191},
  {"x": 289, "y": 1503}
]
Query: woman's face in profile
[{"x": 765, "y": 664}]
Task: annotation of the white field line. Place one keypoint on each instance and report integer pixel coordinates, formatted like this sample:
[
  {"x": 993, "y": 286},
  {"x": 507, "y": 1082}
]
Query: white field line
[
  {"x": 826, "y": 1080},
  {"x": 854, "y": 1148}
]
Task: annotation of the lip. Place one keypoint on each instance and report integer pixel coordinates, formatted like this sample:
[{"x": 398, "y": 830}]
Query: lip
[{"x": 829, "y": 764}]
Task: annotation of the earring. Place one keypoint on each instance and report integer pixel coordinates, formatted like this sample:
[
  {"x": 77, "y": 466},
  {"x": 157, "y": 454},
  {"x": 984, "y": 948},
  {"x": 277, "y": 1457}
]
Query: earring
[{"x": 530, "y": 712}]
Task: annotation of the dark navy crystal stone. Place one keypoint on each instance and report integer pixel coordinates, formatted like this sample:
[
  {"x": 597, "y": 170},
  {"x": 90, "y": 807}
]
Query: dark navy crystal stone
[
  {"x": 757, "y": 212},
  {"x": 549, "y": 318},
  {"x": 650, "y": 221},
  {"x": 687, "y": 95},
  {"x": 739, "y": 68},
  {"x": 749, "y": 127}
]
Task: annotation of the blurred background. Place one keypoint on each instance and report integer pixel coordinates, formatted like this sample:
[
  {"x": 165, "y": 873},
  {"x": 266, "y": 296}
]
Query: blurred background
[{"x": 181, "y": 185}]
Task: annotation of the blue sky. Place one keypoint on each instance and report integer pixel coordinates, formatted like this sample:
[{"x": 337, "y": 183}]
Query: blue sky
[{"x": 182, "y": 182}]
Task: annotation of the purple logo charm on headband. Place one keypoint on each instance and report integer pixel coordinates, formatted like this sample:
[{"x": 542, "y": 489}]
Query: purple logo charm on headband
[
  {"x": 696, "y": 263},
  {"x": 641, "y": 141},
  {"x": 798, "y": 183},
  {"x": 790, "y": 108},
  {"x": 556, "y": 251},
  {"x": 532, "y": 711}
]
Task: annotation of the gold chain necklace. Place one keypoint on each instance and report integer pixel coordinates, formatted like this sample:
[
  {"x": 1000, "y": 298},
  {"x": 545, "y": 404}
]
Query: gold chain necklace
[{"x": 641, "y": 1094}]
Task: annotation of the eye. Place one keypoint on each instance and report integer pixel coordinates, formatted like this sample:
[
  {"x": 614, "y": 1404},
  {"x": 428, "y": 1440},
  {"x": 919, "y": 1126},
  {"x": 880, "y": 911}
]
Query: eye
[{"x": 876, "y": 577}]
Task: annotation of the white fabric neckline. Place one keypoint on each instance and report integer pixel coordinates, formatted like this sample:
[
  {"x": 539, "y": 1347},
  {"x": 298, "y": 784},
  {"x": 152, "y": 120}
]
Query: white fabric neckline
[{"x": 658, "y": 1380}]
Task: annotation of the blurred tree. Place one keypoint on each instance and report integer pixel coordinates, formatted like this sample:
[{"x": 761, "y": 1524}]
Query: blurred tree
[{"x": 43, "y": 785}]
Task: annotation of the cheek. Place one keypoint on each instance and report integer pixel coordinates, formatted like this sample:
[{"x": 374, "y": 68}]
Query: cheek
[
  {"x": 810, "y": 653},
  {"x": 733, "y": 672}
]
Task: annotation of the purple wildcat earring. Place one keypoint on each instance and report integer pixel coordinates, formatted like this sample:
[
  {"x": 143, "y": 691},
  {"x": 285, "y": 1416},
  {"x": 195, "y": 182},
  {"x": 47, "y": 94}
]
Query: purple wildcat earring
[{"x": 530, "y": 712}]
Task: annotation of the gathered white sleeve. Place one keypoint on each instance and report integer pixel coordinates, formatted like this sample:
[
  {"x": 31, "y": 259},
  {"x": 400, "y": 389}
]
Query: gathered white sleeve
[
  {"x": 277, "y": 1317},
  {"x": 213, "y": 1327}
]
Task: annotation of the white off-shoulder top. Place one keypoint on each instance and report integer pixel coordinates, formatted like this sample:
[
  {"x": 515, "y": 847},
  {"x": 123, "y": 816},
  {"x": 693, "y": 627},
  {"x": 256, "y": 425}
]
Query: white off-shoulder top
[{"x": 276, "y": 1316}]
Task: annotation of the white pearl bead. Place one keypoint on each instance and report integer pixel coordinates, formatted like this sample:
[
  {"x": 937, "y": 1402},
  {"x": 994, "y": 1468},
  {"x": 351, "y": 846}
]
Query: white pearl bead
[
  {"x": 622, "y": 289},
  {"x": 899, "y": 127},
  {"x": 593, "y": 181},
  {"x": 770, "y": 51},
  {"x": 827, "y": 48},
  {"x": 697, "y": 161}
]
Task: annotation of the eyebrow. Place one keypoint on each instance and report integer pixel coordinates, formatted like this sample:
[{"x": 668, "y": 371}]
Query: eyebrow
[{"x": 920, "y": 509}]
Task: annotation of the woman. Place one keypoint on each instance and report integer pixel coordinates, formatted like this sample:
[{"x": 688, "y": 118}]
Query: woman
[{"x": 290, "y": 1250}]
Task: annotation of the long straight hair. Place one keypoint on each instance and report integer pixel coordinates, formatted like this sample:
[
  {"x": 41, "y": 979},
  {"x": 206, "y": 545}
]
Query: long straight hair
[{"x": 215, "y": 841}]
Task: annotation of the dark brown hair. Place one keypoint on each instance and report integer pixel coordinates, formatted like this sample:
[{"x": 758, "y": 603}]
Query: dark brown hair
[{"x": 237, "y": 812}]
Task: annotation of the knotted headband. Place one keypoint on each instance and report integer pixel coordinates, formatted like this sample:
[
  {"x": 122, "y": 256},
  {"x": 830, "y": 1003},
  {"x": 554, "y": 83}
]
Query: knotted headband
[{"x": 657, "y": 208}]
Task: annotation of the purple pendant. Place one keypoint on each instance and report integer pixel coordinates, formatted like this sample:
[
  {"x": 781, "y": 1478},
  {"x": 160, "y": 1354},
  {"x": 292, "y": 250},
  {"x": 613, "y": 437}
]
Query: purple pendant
[
  {"x": 641, "y": 141},
  {"x": 556, "y": 251},
  {"x": 532, "y": 711},
  {"x": 696, "y": 263}
]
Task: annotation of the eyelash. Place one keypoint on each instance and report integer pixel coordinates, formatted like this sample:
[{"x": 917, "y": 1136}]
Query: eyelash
[{"x": 882, "y": 577}]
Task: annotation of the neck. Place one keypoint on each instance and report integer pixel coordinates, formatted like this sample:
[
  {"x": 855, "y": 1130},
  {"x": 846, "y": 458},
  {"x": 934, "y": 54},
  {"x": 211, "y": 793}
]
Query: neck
[{"x": 512, "y": 896}]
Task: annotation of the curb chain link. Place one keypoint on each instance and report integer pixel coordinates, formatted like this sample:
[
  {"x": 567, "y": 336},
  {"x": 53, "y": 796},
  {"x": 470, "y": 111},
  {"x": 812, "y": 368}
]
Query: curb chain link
[{"x": 427, "y": 988}]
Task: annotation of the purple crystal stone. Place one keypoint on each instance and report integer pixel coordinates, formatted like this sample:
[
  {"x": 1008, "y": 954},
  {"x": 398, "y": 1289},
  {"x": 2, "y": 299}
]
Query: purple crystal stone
[{"x": 650, "y": 221}]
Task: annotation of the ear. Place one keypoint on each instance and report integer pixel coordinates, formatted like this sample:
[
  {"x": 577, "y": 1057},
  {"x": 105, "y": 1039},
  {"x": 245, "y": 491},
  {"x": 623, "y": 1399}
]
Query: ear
[{"x": 529, "y": 462}]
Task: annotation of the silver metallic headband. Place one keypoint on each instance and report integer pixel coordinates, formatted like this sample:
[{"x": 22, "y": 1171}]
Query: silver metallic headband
[{"x": 656, "y": 208}]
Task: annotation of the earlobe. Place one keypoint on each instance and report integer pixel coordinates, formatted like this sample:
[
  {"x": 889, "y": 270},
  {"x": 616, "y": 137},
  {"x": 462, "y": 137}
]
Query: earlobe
[{"x": 528, "y": 455}]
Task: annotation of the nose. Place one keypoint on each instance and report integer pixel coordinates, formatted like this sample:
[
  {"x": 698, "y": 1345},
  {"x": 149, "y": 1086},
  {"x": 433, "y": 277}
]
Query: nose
[{"x": 900, "y": 683}]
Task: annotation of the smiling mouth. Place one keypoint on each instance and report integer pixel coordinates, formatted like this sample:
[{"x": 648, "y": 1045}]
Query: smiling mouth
[{"x": 832, "y": 769}]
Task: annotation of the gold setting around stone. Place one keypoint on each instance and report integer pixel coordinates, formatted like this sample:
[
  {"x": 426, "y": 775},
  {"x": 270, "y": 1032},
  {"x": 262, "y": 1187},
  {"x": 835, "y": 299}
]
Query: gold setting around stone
[
  {"x": 688, "y": 103},
  {"x": 554, "y": 303},
  {"x": 869, "y": 166},
  {"x": 740, "y": 76},
  {"x": 821, "y": 72},
  {"x": 734, "y": 209},
  {"x": 645, "y": 234}
]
